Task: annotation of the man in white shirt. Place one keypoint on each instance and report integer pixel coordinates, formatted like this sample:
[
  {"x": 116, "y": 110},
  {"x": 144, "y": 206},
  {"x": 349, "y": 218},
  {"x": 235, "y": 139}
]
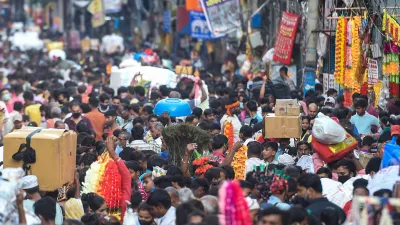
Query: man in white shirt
[
  {"x": 160, "y": 203},
  {"x": 254, "y": 150},
  {"x": 246, "y": 134}
]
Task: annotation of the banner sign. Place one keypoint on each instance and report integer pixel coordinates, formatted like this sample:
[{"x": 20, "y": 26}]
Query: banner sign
[
  {"x": 96, "y": 9},
  {"x": 285, "y": 39},
  {"x": 112, "y": 6},
  {"x": 167, "y": 21},
  {"x": 372, "y": 71},
  {"x": 198, "y": 26},
  {"x": 223, "y": 16}
]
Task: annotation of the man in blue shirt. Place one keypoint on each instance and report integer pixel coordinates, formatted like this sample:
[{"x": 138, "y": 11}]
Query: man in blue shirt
[{"x": 362, "y": 120}]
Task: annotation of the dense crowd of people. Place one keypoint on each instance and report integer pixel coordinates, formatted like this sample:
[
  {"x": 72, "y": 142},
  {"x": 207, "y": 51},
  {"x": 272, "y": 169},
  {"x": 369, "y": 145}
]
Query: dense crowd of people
[{"x": 284, "y": 179}]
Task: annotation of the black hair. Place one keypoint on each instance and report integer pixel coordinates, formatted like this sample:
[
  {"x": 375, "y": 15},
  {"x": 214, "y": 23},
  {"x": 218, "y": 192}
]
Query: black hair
[
  {"x": 148, "y": 109},
  {"x": 383, "y": 193},
  {"x": 272, "y": 145},
  {"x": 182, "y": 213},
  {"x": 348, "y": 164},
  {"x": 156, "y": 160},
  {"x": 246, "y": 184},
  {"x": 306, "y": 118},
  {"x": 87, "y": 159},
  {"x": 32, "y": 190},
  {"x": 297, "y": 214},
  {"x": 247, "y": 131},
  {"x": 190, "y": 118},
  {"x": 266, "y": 109},
  {"x": 330, "y": 216},
  {"x": 252, "y": 106},
  {"x": 355, "y": 95},
  {"x": 133, "y": 165},
  {"x": 361, "y": 182},
  {"x": 319, "y": 87},
  {"x": 205, "y": 125},
  {"x": 152, "y": 116},
  {"x": 229, "y": 172},
  {"x": 103, "y": 97},
  {"x": 361, "y": 104},
  {"x": 200, "y": 182},
  {"x": 208, "y": 112},
  {"x": 215, "y": 126},
  {"x": 137, "y": 120},
  {"x": 18, "y": 106},
  {"x": 213, "y": 173},
  {"x": 368, "y": 141},
  {"x": 211, "y": 220},
  {"x": 144, "y": 207},
  {"x": 275, "y": 211},
  {"x": 155, "y": 95},
  {"x": 159, "y": 197},
  {"x": 137, "y": 156},
  {"x": 164, "y": 90},
  {"x": 72, "y": 222},
  {"x": 254, "y": 148},
  {"x": 46, "y": 208},
  {"x": 292, "y": 185},
  {"x": 135, "y": 107},
  {"x": 310, "y": 181},
  {"x": 94, "y": 200},
  {"x": 162, "y": 182},
  {"x": 91, "y": 219},
  {"x": 198, "y": 112},
  {"x": 121, "y": 90},
  {"x": 137, "y": 132},
  {"x": 323, "y": 170},
  {"x": 293, "y": 172},
  {"x": 283, "y": 69},
  {"x": 219, "y": 141},
  {"x": 173, "y": 170},
  {"x": 28, "y": 96},
  {"x": 140, "y": 91},
  {"x": 303, "y": 143},
  {"x": 331, "y": 91},
  {"x": 373, "y": 165}
]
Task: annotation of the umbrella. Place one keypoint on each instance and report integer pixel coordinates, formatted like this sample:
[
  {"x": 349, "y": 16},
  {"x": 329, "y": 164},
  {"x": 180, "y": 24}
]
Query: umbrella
[{"x": 384, "y": 179}]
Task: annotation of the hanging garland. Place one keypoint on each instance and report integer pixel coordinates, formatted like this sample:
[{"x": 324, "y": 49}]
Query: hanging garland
[
  {"x": 356, "y": 56},
  {"x": 340, "y": 50},
  {"x": 239, "y": 163},
  {"x": 348, "y": 58},
  {"x": 229, "y": 133}
]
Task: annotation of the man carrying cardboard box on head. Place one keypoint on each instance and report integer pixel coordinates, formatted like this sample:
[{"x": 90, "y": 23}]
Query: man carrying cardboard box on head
[{"x": 31, "y": 187}]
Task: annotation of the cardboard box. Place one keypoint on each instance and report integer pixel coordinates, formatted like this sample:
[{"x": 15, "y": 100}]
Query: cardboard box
[
  {"x": 55, "y": 155},
  {"x": 280, "y": 107},
  {"x": 281, "y": 126},
  {"x": 292, "y": 108}
]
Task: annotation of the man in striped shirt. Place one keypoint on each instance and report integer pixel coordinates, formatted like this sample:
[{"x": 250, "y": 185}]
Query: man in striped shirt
[{"x": 138, "y": 143}]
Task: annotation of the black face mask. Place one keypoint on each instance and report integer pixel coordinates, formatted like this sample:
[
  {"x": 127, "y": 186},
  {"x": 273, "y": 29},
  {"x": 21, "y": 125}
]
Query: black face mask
[
  {"x": 343, "y": 179},
  {"x": 60, "y": 102},
  {"x": 76, "y": 115},
  {"x": 142, "y": 222}
]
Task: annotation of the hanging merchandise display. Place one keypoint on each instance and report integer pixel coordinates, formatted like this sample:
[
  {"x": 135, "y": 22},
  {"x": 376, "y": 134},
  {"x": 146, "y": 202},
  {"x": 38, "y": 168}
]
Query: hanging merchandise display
[
  {"x": 391, "y": 66},
  {"x": 340, "y": 54},
  {"x": 391, "y": 27},
  {"x": 285, "y": 40}
]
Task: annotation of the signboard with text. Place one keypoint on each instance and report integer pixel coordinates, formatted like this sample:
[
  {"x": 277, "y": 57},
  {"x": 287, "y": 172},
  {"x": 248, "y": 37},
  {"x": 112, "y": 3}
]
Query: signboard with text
[
  {"x": 285, "y": 39},
  {"x": 198, "y": 26}
]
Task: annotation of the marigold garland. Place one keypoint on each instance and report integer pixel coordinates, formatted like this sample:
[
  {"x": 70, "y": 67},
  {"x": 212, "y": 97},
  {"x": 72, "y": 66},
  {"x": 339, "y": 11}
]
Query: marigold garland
[
  {"x": 356, "y": 56},
  {"x": 229, "y": 133},
  {"x": 202, "y": 165},
  {"x": 340, "y": 50},
  {"x": 348, "y": 57},
  {"x": 103, "y": 178},
  {"x": 239, "y": 162}
]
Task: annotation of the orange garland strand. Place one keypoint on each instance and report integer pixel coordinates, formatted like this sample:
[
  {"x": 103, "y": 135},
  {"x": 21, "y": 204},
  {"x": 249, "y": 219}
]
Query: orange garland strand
[
  {"x": 229, "y": 107},
  {"x": 239, "y": 162},
  {"x": 229, "y": 133}
]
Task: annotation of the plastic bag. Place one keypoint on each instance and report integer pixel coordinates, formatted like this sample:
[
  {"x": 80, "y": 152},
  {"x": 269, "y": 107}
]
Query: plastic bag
[
  {"x": 391, "y": 155},
  {"x": 327, "y": 131}
]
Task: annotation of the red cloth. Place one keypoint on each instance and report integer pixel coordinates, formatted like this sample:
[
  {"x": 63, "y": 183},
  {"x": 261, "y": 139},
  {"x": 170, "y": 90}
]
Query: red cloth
[
  {"x": 126, "y": 185},
  {"x": 347, "y": 207}
]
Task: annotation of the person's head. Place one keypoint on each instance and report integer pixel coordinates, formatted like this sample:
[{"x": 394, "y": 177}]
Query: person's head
[
  {"x": 191, "y": 120},
  {"x": 298, "y": 216},
  {"x": 96, "y": 203},
  {"x": 145, "y": 216},
  {"x": 303, "y": 148},
  {"x": 72, "y": 222},
  {"x": 140, "y": 92},
  {"x": 332, "y": 93},
  {"x": 111, "y": 116},
  {"x": 330, "y": 216},
  {"x": 214, "y": 175},
  {"x": 123, "y": 111},
  {"x": 148, "y": 182},
  {"x": 116, "y": 101},
  {"x": 360, "y": 191},
  {"x": 383, "y": 193},
  {"x": 272, "y": 216},
  {"x": 245, "y": 132},
  {"x": 76, "y": 109},
  {"x": 104, "y": 99},
  {"x": 209, "y": 115},
  {"x": 138, "y": 121},
  {"x": 345, "y": 169},
  {"x": 134, "y": 169},
  {"x": 309, "y": 186},
  {"x": 305, "y": 123},
  {"x": 252, "y": 106},
  {"x": 254, "y": 149},
  {"x": 269, "y": 152},
  {"x": 283, "y": 71},
  {"x": 139, "y": 157},
  {"x": 146, "y": 112},
  {"x": 5, "y": 95},
  {"x": 324, "y": 172},
  {"x": 45, "y": 209},
  {"x": 210, "y": 204},
  {"x": 136, "y": 199},
  {"x": 59, "y": 125},
  {"x": 219, "y": 143},
  {"x": 18, "y": 106},
  {"x": 93, "y": 103},
  {"x": 312, "y": 110},
  {"x": 137, "y": 132},
  {"x": 28, "y": 97},
  {"x": 373, "y": 166},
  {"x": 153, "y": 118},
  {"x": 159, "y": 202},
  {"x": 174, "y": 194},
  {"x": 361, "y": 107},
  {"x": 215, "y": 129},
  {"x": 156, "y": 130},
  {"x": 185, "y": 195},
  {"x": 200, "y": 187},
  {"x": 229, "y": 172}
]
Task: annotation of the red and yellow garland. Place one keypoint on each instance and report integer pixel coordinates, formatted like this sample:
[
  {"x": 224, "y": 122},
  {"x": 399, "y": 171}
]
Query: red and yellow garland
[
  {"x": 340, "y": 50},
  {"x": 202, "y": 165},
  {"x": 356, "y": 55},
  {"x": 229, "y": 133},
  {"x": 239, "y": 163}
]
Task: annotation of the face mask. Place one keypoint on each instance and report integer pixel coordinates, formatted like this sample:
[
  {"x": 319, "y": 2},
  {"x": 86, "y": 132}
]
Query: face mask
[
  {"x": 142, "y": 222},
  {"x": 76, "y": 115},
  {"x": 6, "y": 97},
  {"x": 60, "y": 102},
  {"x": 343, "y": 179},
  {"x": 241, "y": 105}
]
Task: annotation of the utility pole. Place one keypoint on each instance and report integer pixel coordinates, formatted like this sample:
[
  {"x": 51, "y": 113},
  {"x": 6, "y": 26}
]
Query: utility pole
[{"x": 311, "y": 35}]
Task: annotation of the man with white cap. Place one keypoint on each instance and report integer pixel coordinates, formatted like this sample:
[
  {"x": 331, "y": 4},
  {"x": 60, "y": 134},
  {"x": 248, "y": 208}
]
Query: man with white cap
[{"x": 31, "y": 187}]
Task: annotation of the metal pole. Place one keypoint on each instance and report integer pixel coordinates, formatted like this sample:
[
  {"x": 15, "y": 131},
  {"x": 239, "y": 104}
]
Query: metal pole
[{"x": 312, "y": 37}]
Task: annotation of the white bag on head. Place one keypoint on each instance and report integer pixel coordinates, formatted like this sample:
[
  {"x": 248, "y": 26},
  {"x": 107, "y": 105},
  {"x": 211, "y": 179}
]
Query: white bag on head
[{"x": 328, "y": 131}]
